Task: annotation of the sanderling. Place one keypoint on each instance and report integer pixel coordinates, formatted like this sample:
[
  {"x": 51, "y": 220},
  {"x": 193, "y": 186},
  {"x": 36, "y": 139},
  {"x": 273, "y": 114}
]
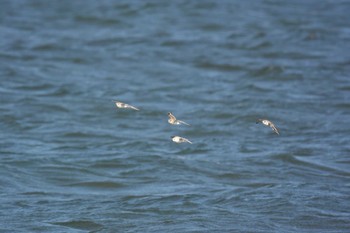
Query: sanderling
[
  {"x": 172, "y": 120},
  {"x": 268, "y": 123},
  {"x": 179, "y": 139},
  {"x": 123, "y": 105}
]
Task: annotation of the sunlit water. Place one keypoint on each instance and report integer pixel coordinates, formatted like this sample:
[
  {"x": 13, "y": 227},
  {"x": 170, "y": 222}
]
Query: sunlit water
[{"x": 71, "y": 162}]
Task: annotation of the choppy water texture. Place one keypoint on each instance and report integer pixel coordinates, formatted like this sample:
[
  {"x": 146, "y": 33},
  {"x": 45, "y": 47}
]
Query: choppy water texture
[{"x": 71, "y": 162}]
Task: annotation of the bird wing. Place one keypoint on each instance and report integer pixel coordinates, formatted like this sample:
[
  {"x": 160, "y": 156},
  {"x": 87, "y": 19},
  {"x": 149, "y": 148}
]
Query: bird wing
[
  {"x": 171, "y": 116},
  {"x": 132, "y": 107},
  {"x": 274, "y": 128},
  {"x": 182, "y": 122},
  {"x": 186, "y": 140}
]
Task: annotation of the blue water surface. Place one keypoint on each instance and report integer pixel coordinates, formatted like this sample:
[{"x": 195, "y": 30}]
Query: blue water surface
[{"x": 70, "y": 161}]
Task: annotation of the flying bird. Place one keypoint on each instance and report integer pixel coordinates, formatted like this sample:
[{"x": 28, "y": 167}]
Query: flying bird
[
  {"x": 123, "y": 105},
  {"x": 179, "y": 139},
  {"x": 172, "y": 120},
  {"x": 268, "y": 123}
]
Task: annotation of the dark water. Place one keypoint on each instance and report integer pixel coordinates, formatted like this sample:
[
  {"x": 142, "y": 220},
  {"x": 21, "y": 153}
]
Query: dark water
[{"x": 71, "y": 162}]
